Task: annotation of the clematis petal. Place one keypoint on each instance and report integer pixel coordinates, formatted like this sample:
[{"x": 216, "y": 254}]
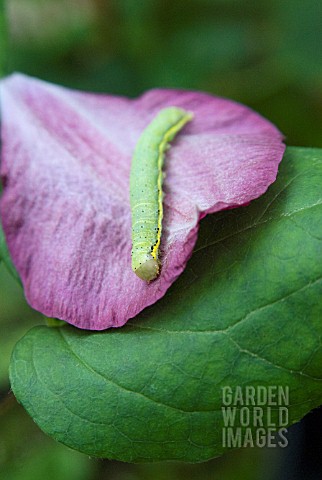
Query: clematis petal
[{"x": 65, "y": 210}]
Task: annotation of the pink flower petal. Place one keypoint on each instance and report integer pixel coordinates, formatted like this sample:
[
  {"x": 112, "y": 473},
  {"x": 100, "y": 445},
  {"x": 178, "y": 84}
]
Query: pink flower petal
[{"x": 65, "y": 208}]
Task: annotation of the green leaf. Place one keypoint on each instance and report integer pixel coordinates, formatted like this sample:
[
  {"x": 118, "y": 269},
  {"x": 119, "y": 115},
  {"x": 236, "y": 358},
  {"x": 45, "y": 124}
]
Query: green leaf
[
  {"x": 5, "y": 257},
  {"x": 4, "y": 253},
  {"x": 26, "y": 454},
  {"x": 246, "y": 312},
  {"x": 16, "y": 317}
]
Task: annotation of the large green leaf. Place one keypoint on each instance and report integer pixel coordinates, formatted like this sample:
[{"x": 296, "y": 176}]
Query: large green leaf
[{"x": 246, "y": 311}]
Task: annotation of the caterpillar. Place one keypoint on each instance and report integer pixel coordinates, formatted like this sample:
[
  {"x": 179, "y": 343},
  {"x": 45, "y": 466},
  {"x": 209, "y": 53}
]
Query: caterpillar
[{"x": 146, "y": 194}]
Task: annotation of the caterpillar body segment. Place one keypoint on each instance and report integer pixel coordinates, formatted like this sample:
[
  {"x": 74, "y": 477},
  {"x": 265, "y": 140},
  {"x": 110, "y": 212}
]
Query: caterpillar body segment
[{"x": 146, "y": 194}]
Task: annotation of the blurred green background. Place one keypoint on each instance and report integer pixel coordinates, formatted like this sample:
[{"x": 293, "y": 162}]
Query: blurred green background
[{"x": 265, "y": 53}]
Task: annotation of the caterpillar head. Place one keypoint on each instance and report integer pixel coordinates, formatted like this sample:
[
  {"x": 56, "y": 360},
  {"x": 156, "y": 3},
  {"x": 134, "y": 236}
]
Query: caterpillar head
[{"x": 149, "y": 270}]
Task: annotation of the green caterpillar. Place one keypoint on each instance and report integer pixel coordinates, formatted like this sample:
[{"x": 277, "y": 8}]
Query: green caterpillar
[{"x": 146, "y": 189}]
